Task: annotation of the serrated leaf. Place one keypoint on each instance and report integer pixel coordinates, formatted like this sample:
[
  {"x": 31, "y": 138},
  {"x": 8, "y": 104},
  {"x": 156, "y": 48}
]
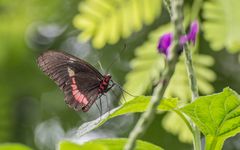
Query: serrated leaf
[
  {"x": 222, "y": 17},
  {"x": 108, "y": 21},
  {"x": 217, "y": 116},
  {"x": 13, "y": 146},
  {"x": 138, "y": 104},
  {"x": 106, "y": 144}
]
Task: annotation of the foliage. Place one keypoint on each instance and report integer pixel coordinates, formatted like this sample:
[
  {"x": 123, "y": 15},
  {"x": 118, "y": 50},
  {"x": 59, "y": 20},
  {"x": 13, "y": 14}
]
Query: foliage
[
  {"x": 148, "y": 63},
  {"x": 175, "y": 125},
  {"x": 21, "y": 81},
  {"x": 108, "y": 21},
  {"x": 106, "y": 144},
  {"x": 222, "y": 17},
  {"x": 218, "y": 122},
  {"x": 138, "y": 104},
  {"x": 28, "y": 99},
  {"x": 220, "y": 118},
  {"x": 13, "y": 146}
]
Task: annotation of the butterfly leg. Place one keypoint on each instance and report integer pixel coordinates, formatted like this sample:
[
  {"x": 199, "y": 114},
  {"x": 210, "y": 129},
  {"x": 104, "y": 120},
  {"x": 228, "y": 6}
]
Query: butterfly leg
[
  {"x": 105, "y": 91},
  {"x": 100, "y": 101},
  {"x": 108, "y": 107},
  {"x": 100, "y": 111},
  {"x": 114, "y": 93}
]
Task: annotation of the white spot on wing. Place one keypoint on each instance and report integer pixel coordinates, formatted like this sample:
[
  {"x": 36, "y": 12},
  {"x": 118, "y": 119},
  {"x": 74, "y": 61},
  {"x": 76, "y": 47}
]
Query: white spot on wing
[
  {"x": 70, "y": 72},
  {"x": 71, "y": 60}
]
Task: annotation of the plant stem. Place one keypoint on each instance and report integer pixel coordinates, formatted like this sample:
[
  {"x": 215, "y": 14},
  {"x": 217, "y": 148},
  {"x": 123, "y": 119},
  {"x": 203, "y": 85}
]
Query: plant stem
[
  {"x": 197, "y": 4},
  {"x": 214, "y": 143},
  {"x": 194, "y": 90},
  {"x": 191, "y": 73},
  {"x": 148, "y": 116},
  {"x": 168, "y": 7}
]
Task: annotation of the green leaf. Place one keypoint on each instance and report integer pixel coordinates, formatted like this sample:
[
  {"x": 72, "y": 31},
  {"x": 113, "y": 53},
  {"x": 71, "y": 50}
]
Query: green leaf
[
  {"x": 107, "y": 144},
  {"x": 138, "y": 104},
  {"x": 108, "y": 21},
  {"x": 13, "y": 146},
  {"x": 222, "y": 17},
  {"x": 168, "y": 104},
  {"x": 217, "y": 116}
]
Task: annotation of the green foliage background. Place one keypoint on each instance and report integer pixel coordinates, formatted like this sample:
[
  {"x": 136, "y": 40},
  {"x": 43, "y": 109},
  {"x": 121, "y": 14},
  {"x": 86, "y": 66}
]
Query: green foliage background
[{"x": 101, "y": 28}]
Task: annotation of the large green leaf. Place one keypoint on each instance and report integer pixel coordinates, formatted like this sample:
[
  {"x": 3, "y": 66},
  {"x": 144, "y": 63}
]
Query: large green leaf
[
  {"x": 138, "y": 104},
  {"x": 221, "y": 26},
  {"x": 106, "y": 21},
  {"x": 13, "y": 146},
  {"x": 217, "y": 116},
  {"x": 106, "y": 144}
]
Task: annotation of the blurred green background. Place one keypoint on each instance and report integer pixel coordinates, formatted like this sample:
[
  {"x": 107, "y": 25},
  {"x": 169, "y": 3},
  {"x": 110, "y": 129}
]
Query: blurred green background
[{"x": 32, "y": 109}]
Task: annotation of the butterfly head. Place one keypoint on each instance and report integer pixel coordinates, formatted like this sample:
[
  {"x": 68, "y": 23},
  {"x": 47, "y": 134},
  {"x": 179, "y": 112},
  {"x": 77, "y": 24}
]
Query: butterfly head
[{"x": 107, "y": 78}]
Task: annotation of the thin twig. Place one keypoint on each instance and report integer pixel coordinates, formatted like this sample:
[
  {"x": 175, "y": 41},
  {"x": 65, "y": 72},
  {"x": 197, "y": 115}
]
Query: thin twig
[
  {"x": 168, "y": 6},
  {"x": 194, "y": 91}
]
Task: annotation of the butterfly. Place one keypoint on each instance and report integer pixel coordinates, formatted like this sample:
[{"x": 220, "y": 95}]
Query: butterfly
[{"x": 81, "y": 83}]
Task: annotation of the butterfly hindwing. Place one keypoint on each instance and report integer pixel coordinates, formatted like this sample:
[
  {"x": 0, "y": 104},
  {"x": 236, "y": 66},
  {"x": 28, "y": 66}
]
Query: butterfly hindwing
[{"x": 76, "y": 78}]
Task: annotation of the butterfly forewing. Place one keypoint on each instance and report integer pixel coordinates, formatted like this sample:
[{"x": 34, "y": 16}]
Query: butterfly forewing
[{"x": 76, "y": 78}]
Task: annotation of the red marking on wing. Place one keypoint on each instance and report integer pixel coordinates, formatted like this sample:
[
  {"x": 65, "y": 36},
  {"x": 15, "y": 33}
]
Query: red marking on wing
[
  {"x": 77, "y": 94},
  {"x": 74, "y": 87}
]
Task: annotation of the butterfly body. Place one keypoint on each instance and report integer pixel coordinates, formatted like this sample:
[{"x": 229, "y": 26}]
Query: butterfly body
[
  {"x": 103, "y": 86},
  {"x": 81, "y": 83}
]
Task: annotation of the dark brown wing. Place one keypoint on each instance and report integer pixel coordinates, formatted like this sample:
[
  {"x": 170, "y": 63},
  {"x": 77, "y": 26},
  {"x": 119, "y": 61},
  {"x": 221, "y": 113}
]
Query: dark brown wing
[{"x": 76, "y": 78}]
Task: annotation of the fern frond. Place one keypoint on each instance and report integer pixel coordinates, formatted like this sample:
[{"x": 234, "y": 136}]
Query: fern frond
[
  {"x": 221, "y": 26},
  {"x": 106, "y": 21}
]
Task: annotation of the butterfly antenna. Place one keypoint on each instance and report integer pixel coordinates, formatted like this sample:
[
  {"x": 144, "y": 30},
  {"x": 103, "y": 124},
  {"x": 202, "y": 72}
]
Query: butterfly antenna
[
  {"x": 119, "y": 86},
  {"x": 116, "y": 57},
  {"x": 100, "y": 65},
  {"x": 122, "y": 92}
]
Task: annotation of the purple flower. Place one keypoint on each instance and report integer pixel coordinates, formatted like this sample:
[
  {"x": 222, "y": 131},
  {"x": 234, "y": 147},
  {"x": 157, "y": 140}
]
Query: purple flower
[
  {"x": 164, "y": 44},
  {"x": 166, "y": 39},
  {"x": 192, "y": 34},
  {"x": 183, "y": 40}
]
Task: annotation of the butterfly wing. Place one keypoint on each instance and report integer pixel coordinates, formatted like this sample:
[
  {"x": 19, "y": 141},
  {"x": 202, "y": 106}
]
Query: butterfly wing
[{"x": 76, "y": 78}]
